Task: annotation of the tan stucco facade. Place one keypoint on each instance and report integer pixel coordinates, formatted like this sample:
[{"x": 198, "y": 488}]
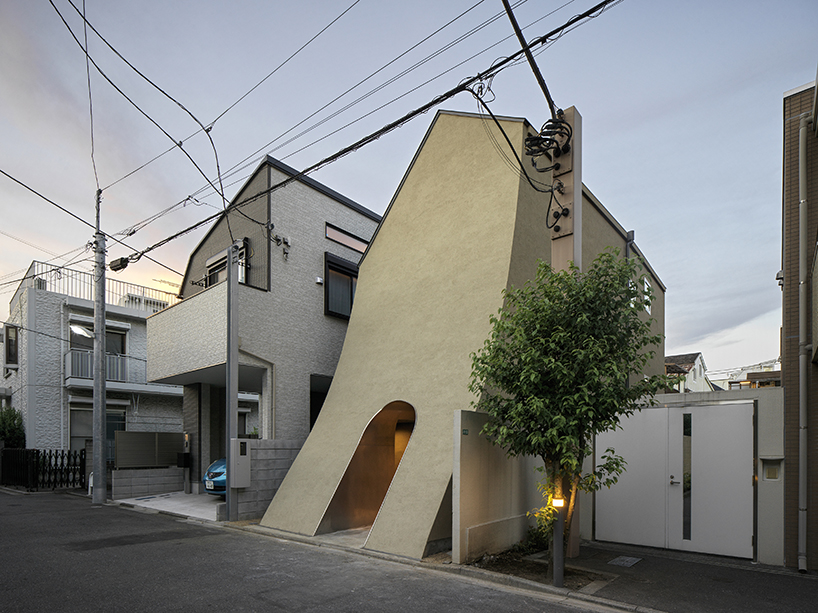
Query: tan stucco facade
[{"x": 462, "y": 227}]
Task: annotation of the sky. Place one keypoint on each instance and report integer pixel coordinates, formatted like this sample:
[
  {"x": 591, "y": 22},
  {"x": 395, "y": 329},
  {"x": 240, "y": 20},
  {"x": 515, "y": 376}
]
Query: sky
[{"x": 681, "y": 105}]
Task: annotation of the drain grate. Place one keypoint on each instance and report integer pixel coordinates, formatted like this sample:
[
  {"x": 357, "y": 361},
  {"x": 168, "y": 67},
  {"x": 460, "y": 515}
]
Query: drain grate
[{"x": 625, "y": 561}]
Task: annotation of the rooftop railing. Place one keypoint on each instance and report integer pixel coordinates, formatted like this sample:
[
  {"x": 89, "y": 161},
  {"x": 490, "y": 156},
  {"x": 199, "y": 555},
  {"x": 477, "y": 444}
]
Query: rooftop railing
[{"x": 80, "y": 284}]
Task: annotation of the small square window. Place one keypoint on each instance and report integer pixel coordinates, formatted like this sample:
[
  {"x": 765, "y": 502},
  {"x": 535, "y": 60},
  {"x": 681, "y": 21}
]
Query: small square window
[{"x": 217, "y": 266}]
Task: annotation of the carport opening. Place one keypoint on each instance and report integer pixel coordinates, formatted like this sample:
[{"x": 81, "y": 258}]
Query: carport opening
[{"x": 369, "y": 474}]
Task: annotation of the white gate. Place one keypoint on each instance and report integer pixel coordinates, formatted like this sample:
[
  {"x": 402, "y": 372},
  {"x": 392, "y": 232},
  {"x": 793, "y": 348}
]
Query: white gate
[{"x": 689, "y": 480}]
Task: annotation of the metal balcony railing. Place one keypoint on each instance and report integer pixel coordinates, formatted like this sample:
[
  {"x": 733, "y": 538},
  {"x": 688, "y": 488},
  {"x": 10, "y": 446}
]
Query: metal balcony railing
[{"x": 79, "y": 363}]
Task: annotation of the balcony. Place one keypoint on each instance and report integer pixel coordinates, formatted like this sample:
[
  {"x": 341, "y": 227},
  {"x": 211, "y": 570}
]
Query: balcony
[
  {"x": 123, "y": 373},
  {"x": 79, "y": 363}
]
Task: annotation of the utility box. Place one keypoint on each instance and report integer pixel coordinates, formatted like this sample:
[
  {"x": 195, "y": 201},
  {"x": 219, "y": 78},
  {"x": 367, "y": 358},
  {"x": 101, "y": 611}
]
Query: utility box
[{"x": 239, "y": 469}]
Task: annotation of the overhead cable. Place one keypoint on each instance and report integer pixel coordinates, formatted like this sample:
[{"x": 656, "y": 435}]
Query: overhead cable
[
  {"x": 243, "y": 96},
  {"x": 463, "y": 86},
  {"x": 80, "y": 219},
  {"x": 178, "y": 144}
]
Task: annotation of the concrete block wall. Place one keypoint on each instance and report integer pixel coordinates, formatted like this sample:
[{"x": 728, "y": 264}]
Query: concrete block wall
[
  {"x": 146, "y": 481},
  {"x": 269, "y": 462}
]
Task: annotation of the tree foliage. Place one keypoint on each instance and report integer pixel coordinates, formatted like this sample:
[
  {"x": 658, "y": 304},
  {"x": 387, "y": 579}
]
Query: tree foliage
[
  {"x": 565, "y": 360},
  {"x": 11, "y": 428}
]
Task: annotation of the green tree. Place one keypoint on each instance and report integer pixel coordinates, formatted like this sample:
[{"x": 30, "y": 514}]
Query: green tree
[
  {"x": 565, "y": 360},
  {"x": 11, "y": 428}
]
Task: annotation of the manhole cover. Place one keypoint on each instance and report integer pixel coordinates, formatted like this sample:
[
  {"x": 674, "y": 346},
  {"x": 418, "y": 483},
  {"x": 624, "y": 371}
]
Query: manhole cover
[{"x": 624, "y": 561}]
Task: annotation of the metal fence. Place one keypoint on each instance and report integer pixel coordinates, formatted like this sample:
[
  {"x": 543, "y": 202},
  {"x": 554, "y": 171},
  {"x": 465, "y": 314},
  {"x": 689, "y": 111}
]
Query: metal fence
[
  {"x": 80, "y": 364},
  {"x": 36, "y": 469},
  {"x": 80, "y": 284}
]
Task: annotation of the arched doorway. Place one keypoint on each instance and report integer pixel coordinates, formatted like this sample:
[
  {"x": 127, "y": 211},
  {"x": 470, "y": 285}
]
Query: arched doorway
[{"x": 363, "y": 487}]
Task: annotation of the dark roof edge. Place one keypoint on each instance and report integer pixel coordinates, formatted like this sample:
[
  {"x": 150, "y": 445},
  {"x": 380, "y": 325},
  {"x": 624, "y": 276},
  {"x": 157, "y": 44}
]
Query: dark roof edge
[{"x": 318, "y": 186}]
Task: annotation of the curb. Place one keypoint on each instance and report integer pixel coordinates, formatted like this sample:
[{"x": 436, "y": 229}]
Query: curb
[{"x": 475, "y": 574}]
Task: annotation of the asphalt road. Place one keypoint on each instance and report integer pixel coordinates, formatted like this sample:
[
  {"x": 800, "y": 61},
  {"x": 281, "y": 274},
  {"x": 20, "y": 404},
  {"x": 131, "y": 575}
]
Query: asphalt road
[{"x": 60, "y": 553}]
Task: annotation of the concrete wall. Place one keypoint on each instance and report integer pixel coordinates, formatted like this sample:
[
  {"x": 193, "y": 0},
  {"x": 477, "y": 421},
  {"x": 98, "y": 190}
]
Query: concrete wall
[
  {"x": 137, "y": 482},
  {"x": 492, "y": 493},
  {"x": 171, "y": 334},
  {"x": 462, "y": 227},
  {"x": 269, "y": 462}
]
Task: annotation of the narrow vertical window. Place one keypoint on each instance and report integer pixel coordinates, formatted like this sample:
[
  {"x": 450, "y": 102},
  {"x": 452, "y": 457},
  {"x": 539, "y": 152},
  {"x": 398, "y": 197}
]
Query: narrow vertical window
[
  {"x": 12, "y": 344},
  {"x": 647, "y": 296},
  {"x": 341, "y": 279},
  {"x": 686, "y": 481}
]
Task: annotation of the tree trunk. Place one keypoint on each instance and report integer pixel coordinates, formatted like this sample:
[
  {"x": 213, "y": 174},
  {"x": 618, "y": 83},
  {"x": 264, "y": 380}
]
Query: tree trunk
[{"x": 570, "y": 515}]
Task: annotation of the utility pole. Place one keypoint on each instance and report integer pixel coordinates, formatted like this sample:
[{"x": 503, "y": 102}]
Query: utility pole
[
  {"x": 232, "y": 395},
  {"x": 100, "y": 495}
]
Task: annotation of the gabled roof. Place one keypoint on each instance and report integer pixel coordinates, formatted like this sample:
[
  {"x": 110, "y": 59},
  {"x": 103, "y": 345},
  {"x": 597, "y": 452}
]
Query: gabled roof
[
  {"x": 674, "y": 369},
  {"x": 684, "y": 360},
  {"x": 290, "y": 172}
]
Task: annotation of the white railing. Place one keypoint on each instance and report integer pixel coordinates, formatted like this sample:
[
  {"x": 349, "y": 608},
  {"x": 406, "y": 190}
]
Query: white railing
[
  {"x": 80, "y": 284},
  {"x": 79, "y": 363}
]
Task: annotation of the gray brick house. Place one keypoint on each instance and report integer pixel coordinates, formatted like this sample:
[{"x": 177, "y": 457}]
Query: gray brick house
[{"x": 297, "y": 276}]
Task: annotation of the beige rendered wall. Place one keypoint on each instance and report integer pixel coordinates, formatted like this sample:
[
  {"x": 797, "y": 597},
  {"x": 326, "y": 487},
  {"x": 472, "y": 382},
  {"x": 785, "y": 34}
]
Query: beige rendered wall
[
  {"x": 457, "y": 233},
  {"x": 492, "y": 493}
]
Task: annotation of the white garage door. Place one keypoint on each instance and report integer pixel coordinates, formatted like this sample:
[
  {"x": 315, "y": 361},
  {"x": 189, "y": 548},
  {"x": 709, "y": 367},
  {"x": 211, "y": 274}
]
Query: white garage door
[{"x": 689, "y": 480}]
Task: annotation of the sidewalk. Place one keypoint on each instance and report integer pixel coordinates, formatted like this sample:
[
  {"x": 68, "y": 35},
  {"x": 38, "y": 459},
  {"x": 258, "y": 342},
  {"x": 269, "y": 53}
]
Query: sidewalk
[
  {"x": 194, "y": 506},
  {"x": 638, "y": 578}
]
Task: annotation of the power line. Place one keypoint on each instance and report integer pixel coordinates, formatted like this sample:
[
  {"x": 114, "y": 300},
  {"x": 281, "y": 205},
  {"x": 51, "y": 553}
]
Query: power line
[
  {"x": 241, "y": 165},
  {"x": 224, "y": 112},
  {"x": 179, "y": 144},
  {"x": 414, "y": 89},
  {"x": 206, "y": 130},
  {"x": 25, "y": 242},
  {"x": 80, "y": 219},
  {"x": 236, "y": 168},
  {"x": 530, "y": 58},
  {"x": 464, "y": 85},
  {"x": 90, "y": 100}
]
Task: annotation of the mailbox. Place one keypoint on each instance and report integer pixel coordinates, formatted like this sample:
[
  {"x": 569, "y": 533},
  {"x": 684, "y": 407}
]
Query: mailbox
[{"x": 239, "y": 469}]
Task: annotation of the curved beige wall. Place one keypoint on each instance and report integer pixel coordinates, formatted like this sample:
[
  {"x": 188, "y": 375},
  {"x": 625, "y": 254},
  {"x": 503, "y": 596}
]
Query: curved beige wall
[{"x": 461, "y": 228}]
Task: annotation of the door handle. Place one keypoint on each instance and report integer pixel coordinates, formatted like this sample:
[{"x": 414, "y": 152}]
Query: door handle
[{"x": 672, "y": 482}]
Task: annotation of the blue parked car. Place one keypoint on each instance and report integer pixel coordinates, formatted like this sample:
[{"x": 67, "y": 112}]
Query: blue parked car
[{"x": 215, "y": 478}]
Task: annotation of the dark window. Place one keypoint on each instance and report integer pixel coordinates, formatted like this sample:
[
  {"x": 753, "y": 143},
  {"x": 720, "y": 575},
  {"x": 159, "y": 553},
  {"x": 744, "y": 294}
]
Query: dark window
[
  {"x": 340, "y": 281},
  {"x": 82, "y": 337},
  {"x": 12, "y": 344},
  {"x": 217, "y": 266}
]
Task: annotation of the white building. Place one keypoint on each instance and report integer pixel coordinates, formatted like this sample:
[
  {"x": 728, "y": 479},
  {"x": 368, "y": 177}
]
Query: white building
[
  {"x": 692, "y": 372},
  {"x": 48, "y": 359}
]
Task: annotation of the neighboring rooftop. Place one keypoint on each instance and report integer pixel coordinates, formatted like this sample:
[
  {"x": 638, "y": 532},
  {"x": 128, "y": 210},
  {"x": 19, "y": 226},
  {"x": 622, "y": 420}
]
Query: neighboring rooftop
[
  {"x": 685, "y": 361},
  {"x": 80, "y": 284}
]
